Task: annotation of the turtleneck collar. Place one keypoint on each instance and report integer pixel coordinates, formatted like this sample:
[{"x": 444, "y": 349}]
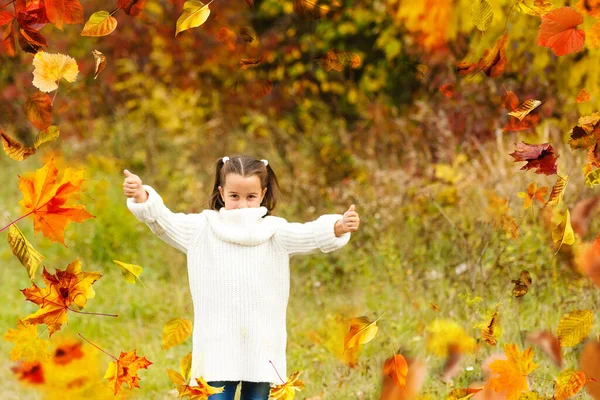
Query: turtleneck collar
[{"x": 243, "y": 226}]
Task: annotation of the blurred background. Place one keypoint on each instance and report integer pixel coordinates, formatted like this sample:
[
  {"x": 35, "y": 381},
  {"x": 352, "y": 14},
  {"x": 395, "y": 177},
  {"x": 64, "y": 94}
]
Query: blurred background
[{"x": 352, "y": 102}]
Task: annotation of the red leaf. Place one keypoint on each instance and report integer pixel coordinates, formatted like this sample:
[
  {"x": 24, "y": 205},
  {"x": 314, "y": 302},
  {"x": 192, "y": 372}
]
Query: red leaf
[
  {"x": 539, "y": 156},
  {"x": 8, "y": 39},
  {"x": 38, "y": 109},
  {"x": 447, "y": 89},
  {"x": 5, "y": 17},
  {"x": 558, "y": 31},
  {"x": 62, "y": 12},
  {"x": 31, "y": 41},
  {"x": 493, "y": 61},
  {"x": 32, "y": 16}
]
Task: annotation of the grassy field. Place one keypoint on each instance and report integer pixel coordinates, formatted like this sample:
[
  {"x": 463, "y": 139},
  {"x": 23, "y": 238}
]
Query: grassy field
[{"x": 421, "y": 242}]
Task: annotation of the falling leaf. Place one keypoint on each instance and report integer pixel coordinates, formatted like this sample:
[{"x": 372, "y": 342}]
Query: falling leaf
[
  {"x": 447, "y": 90},
  {"x": 511, "y": 374},
  {"x": 563, "y": 233},
  {"x": 46, "y": 137},
  {"x": 558, "y": 31},
  {"x": 125, "y": 369},
  {"x": 532, "y": 194},
  {"x": 487, "y": 333},
  {"x": 337, "y": 60},
  {"x": 482, "y": 14},
  {"x": 574, "y": 327},
  {"x": 101, "y": 23},
  {"x": 593, "y": 35},
  {"x": 176, "y": 331},
  {"x": 396, "y": 368},
  {"x": 568, "y": 384},
  {"x": 38, "y": 109},
  {"x": 524, "y": 109},
  {"x": 50, "y": 68},
  {"x": 539, "y": 156},
  {"x": 465, "y": 67},
  {"x": 583, "y": 96},
  {"x": 315, "y": 8},
  {"x": 261, "y": 88},
  {"x": 592, "y": 178},
  {"x": 586, "y": 133},
  {"x": 201, "y": 391},
  {"x": 194, "y": 14},
  {"x": 549, "y": 344},
  {"x": 131, "y": 272},
  {"x": 493, "y": 61},
  {"x": 589, "y": 362},
  {"x": 100, "y": 62},
  {"x": 31, "y": 372},
  {"x": 8, "y": 40},
  {"x": 64, "y": 288},
  {"x": 362, "y": 330},
  {"x": 28, "y": 345},
  {"x": 534, "y": 7},
  {"x": 462, "y": 394},
  {"x": 415, "y": 378},
  {"x": 48, "y": 201},
  {"x": 14, "y": 149},
  {"x": 31, "y": 40},
  {"x": 522, "y": 284},
  {"x": 557, "y": 192},
  {"x": 287, "y": 390},
  {"x": 247, "y": 63},
  {"x": 228, "y": 37},
  {"x": 62, "y": 12},
  {"x": 29, "y": 257}
]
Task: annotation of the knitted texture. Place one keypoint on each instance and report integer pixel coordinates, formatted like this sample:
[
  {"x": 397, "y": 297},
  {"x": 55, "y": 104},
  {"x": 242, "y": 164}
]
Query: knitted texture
[{"x": 238, "y": 270}]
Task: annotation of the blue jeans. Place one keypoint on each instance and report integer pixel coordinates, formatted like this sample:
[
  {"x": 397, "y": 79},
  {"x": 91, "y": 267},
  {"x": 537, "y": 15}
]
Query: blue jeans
[{"x": 250, "y": 390}]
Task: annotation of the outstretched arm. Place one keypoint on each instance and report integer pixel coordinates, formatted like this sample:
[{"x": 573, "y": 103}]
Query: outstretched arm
[
  {"x": 146, "y": 204},
  {"x": 327, "y": 233}
]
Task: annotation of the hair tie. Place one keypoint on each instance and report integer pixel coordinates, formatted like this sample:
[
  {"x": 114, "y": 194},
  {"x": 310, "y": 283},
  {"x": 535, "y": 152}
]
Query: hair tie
[
  {"x": 265, "y": 162},
  {"x": 224, "y": 159}
]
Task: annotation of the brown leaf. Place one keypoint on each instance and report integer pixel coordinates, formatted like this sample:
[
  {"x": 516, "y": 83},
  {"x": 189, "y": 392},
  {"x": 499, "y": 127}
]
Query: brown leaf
[
  {"x": 14, "y": 149},
  {"x": 589, "y": 362},
  {"x": 548, "y": 342},
  {"x": 493, "y": 61},
  {"x": 522, "y": 284},
  {"x": 38, "y": 109},
  {"x": 132, "y": 7}
]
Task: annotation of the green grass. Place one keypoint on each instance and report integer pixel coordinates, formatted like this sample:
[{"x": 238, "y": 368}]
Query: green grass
[{"x": 413, "y": 236}]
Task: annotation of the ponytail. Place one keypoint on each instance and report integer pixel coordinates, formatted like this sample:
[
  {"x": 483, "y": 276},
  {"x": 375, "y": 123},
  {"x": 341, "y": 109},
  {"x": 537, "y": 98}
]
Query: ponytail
[{"x": 215, "y": 202}]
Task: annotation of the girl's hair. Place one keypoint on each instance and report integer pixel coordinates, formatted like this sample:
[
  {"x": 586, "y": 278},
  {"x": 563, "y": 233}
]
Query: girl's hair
[{"x": 245, "y": 166}]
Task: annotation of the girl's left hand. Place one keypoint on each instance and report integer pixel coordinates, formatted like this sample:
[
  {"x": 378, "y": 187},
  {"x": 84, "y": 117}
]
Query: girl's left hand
[{"x": 350, "y": 220}]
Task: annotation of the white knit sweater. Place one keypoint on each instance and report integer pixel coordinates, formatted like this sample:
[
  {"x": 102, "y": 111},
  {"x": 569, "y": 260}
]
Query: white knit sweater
[{"x": 238, "y": 270}]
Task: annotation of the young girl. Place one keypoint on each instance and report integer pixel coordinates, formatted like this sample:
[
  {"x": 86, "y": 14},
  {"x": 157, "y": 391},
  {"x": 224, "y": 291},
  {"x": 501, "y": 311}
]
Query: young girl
[{"x": 238, "y": 270}]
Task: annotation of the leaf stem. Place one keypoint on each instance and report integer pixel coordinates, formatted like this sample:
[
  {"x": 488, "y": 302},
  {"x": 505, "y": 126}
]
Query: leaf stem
[
  {"x": 16, "y": 220},
  {"x": 282, "y": 381},
  {"x": 93, "y": 313},
  {"x": 97, "y": 347},
  {"x": 55, "y": 93}
]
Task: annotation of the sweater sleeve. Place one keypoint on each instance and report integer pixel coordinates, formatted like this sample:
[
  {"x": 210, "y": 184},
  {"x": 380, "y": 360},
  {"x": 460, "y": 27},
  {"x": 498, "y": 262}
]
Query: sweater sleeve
[
  {"x": 175, "y": 229},
  {"x": 298, "y": 238}
]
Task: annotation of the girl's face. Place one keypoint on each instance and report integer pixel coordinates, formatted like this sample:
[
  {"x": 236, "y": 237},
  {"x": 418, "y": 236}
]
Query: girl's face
[{"x": 242, "y": 192}]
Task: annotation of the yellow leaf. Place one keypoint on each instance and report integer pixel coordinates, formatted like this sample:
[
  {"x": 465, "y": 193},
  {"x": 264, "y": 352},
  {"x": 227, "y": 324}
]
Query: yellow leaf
[
  {"x": 185, "y": 366},
  {"x": 25, "y": 252},
  {"x": 564, "y": 231},
  {"x": 511, "y": 374},
  {"x": 525, "y": 108},
  {"x": 130, "y": 272},
  {"x": 28, "y": 346},
  {"x": 46, "y": 137},
  {"x": 50, "y": 68},
  {"x": 176, "y": 331},
  {"x": 556, "y": 195},
  {"x": 568, "y": 384},
  {"x": 593, "y": 178},
  {"x": 574, "y": 327},
  {"x": 488, "y": 332},
  {"x": 195, "y": 13},
  {"x": 101, "y": 23},
  {"x": 482, "y": 14},
  {"x": 287, "y": 390},
  {"x": 362, "y": 330}
]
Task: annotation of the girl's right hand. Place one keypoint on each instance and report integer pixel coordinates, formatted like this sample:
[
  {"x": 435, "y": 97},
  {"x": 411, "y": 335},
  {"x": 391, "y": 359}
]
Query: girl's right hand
[{"x": 132, "y": 187}]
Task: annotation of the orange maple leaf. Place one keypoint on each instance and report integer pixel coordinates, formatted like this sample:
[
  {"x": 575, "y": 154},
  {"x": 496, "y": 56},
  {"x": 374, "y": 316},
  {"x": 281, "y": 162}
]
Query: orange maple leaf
[
  {"x": 558, "y": 31},
  {"x": 46, "y": 200},
  {"x": 493, "y": 61},
  {"x": 287, "y": 390},
  {"x": 124, "y": 370},
  {"x": 62, "y": 289},
  {"x": 512, "y": 372}
]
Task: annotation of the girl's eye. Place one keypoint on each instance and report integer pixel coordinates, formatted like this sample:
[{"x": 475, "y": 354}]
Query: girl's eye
[{"x": 234, "y": 195}]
